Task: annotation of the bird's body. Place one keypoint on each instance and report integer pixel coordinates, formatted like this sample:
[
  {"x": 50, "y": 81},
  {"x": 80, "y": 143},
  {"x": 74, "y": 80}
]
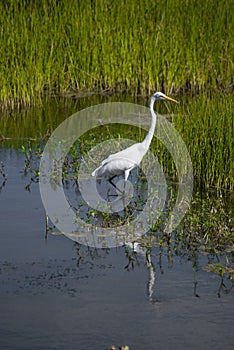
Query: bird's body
[
  {"x": 124, "y": 161},
  {"x": 121, "y": 162}
]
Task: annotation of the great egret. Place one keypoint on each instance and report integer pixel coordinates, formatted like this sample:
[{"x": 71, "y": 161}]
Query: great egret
[{"x": 124, "y": 161}]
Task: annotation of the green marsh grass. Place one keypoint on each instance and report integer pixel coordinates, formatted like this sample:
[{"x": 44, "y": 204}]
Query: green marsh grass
[
  {"x": 205, "y": 123},
  {"x": 207, "y": 128},
  {"x": 68, "y": 47}
]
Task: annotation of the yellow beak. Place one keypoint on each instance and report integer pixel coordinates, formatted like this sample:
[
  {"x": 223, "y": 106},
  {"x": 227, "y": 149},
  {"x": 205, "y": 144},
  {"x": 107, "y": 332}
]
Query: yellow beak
[{"x": 170, "y": 99}]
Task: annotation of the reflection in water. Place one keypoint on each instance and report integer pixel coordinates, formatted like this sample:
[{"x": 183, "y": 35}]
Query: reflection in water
[
  {"x": 188, "y": 246},
  {"x": 3, "y": 175},
  {"x": 151, "y": 281},
  {"x": 155, "y": 257},
  {"x": 132, "y": 251}
]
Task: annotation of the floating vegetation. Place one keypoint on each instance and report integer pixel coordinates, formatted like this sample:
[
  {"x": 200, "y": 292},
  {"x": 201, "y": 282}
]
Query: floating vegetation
[{"x": 67, "y": 47}]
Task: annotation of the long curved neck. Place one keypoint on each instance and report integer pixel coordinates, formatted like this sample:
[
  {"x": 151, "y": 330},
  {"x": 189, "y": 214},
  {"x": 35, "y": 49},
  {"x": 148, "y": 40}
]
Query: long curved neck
[{"x": 147, "y": 141}]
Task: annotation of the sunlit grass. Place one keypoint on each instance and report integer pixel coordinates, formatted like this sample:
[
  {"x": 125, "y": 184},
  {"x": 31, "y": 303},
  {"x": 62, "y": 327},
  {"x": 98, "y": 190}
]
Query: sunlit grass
[
  {"x": 53, "y": 46},
  {"x": 208, "y": 131}
]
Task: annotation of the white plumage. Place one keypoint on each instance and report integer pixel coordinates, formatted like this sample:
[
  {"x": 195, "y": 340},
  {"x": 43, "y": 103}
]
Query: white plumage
[{"x": 124, "y": 161}]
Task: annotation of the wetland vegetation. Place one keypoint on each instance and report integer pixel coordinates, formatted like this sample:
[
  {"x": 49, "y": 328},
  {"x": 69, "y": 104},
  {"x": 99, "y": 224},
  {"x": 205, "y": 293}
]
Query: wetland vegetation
[
  {"x": 69, "y": 47},
  {"x": 122, "y": 51}
]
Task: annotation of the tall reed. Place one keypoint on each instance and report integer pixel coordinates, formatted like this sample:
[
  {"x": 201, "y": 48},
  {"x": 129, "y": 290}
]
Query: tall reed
[{"x": 63, "y": 46}]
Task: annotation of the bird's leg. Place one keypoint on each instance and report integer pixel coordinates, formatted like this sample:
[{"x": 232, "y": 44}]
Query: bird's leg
[
  {"x": 110, "y": 181},
  {"x": 114, "y": 185}
]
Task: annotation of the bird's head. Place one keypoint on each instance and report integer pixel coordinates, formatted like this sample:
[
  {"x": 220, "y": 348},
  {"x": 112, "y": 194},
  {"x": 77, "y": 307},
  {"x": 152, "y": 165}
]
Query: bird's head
[{"x": 160, "y": 96}]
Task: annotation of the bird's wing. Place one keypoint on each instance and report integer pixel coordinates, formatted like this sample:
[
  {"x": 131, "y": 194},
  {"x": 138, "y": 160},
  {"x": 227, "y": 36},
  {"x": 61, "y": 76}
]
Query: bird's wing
[
  {"x": 114, "y": 166},
  {"x": 121, "y": 161},
  {"x": 124, "y": 160},
  {"x": 133, "y": 154}
]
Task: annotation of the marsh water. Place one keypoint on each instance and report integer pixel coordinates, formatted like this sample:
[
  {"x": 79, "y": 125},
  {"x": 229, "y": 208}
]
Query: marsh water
[{"x": 59, "y": 294}]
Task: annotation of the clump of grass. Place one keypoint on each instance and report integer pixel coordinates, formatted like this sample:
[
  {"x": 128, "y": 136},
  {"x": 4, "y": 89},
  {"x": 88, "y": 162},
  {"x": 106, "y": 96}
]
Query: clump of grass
[
  {"x": 207, "y": 128},
  {"x": 66, "y": 46}
]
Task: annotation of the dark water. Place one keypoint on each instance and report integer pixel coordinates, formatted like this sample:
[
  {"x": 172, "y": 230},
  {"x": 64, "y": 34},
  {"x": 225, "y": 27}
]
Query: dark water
[
  {"x": 51, "y": 299},
  {"x": 55, "y": 294}
]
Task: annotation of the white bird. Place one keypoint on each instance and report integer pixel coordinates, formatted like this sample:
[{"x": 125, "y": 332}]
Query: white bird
[{"x": 124, "y": 161}]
